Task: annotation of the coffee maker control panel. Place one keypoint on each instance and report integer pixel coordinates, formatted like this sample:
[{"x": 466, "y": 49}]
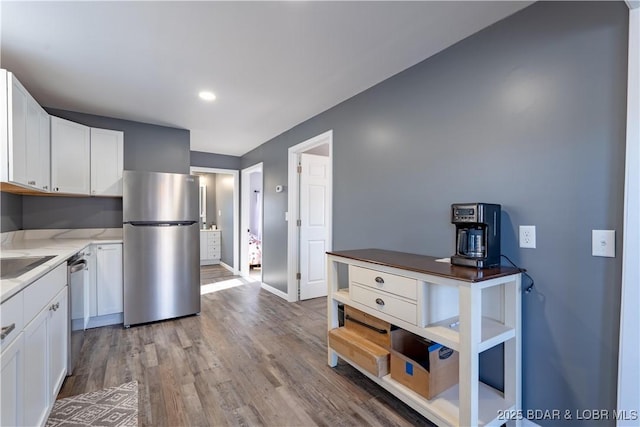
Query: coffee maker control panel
[{"x": 465, "y": 214}]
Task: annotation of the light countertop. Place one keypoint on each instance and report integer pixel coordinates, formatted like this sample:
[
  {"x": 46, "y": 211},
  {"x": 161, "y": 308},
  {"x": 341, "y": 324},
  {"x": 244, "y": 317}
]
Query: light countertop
[{"x": 63, "y": 244}]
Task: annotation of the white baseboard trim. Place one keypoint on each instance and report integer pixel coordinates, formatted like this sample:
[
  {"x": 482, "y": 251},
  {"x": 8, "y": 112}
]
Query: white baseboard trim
[
  {"x": 106, "y": 320},
  {"x": 228, "y": 267},
  {"x": 274, "y": 291}
]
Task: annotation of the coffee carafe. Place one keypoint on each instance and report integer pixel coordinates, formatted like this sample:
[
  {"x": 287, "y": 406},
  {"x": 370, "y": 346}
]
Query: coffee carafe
[{"x": 477, "y": 234}]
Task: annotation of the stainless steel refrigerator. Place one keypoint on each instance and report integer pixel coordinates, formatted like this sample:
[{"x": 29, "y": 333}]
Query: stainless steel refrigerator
[{"x": 161, "y": 246}]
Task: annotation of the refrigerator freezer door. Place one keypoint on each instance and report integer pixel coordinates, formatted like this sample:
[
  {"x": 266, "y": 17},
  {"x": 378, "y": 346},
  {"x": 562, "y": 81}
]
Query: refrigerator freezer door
[
  {"x": 161, "y": 272},
  {"x": 159, "y": 197}
]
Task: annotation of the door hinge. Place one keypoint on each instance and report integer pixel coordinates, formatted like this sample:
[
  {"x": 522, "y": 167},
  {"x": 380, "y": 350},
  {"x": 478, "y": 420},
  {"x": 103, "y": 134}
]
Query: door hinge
[
  {"x": 299, "y": 168},
  {"x": 298, "y": 276},
  {"x": 299, "y": 223}
]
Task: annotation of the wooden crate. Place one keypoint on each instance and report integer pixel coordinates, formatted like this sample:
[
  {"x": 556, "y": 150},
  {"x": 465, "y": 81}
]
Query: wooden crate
[
  {"x": 368, "y": 326},
  {"x": 359, "y": 350}
]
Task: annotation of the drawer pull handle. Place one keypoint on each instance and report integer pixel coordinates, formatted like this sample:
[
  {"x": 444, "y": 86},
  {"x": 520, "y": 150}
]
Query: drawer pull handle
[
  {"x": 6, "y": 330},
  {"x": 366, "y": 325},
  {"x": 55, "y": 306},
  {"x": 379, "y": 280},
  {"x": 379, "y": 301}
]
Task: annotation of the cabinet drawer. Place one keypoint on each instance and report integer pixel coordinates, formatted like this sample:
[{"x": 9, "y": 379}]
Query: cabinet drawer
[
  {"x": 12, "y": 320},
  {"x": 391, "y": 283},
  {"x": 390, "y": 305},
  {"x": 40, "y": 292}
]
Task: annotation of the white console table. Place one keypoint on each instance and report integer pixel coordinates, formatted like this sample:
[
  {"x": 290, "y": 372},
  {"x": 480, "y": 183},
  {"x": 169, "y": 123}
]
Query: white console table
[{"x": 469, "y": 310}]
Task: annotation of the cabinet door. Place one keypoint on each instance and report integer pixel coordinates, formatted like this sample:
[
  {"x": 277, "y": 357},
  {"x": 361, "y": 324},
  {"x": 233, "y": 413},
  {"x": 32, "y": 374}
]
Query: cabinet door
[
  {"x": 70, "y": 157},
  {"x": 204, "y": 245},
  {"x": 109, "y": 279},
  {"x": 44, "y": 147},
  {"x": 32, "y": 143},
  {"x": 17, "y": 130},
  {"x": 57, "y": 342},
  {"x": 92, "y": 266},
  {"x": 107, "y": 147},
  {"x": 36, "y": 369},
  {"x": 12, "y": 382}
]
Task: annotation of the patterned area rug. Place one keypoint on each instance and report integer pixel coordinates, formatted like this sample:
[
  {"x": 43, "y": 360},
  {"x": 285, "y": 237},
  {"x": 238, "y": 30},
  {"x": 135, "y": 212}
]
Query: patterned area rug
[{"x": 110, "y": 407}]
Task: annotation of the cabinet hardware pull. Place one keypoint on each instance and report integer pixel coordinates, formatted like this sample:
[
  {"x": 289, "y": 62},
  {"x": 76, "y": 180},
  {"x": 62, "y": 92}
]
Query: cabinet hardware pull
[
  {"x": 46, "y": 187},
  {"x": 57, "y": 189},
  {"x": 32, "y": 183},
  {"x": 6, "y": 330},
  {"x": 379, "y": 280},
  {"x": 366, "y": 325},
  {"x": 379, "y": 301}
]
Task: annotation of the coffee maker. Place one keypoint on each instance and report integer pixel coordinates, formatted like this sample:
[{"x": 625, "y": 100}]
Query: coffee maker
[{"x": 477, "y": 234}]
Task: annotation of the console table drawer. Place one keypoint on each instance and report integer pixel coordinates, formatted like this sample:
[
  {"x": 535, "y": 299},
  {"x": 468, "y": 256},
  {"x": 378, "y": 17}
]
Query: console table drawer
[
  {"x": 392, "y": 283},
  {"x": 384, "y": 303}
]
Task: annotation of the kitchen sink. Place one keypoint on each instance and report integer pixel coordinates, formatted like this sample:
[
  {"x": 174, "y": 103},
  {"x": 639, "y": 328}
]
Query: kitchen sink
[{"x": 17, "y": 266}]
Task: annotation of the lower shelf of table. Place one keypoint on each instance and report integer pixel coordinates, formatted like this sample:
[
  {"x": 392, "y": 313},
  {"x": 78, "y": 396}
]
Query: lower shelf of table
[
  {"x": 445, "y": 332},
  {"x": 443, "y": 409}
]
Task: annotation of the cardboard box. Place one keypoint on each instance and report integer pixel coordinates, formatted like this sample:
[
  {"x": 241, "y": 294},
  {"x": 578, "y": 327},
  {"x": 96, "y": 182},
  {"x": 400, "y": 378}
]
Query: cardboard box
[
  {"x": 364, "y": 353},
  {"x": 425, "y": 367},
  {"x": 368, "y": 326}
]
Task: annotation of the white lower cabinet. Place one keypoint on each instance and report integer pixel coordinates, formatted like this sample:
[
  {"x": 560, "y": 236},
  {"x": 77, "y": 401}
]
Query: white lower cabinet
[
  {"x": 109, "y": 279},
  {"x": 36, "y": 376},
  {"x": 106, "y": 285},
  {"x": 57, "y": 342},
  {"x": 210, "y": 247},
  {"x": 34, "y": 357},
  {"x": 12, "y": 383},
  {"x": 45, "y": 361}
]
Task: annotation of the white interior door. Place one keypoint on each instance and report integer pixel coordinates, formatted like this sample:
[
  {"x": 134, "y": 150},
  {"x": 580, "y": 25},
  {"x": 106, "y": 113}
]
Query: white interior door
[{"x": 314, "y": 226}]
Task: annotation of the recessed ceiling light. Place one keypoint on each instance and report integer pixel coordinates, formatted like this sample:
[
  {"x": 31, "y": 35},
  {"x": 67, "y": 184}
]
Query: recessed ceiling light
[{"x": 207, "y": 96}]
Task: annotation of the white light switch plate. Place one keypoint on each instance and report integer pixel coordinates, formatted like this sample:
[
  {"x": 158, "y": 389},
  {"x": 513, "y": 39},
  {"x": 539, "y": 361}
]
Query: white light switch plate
[{"x": 603, "y": 243}]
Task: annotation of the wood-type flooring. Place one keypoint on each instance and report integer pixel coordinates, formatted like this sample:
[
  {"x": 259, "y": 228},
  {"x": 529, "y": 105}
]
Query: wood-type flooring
[{"x": 249, "y": 359}]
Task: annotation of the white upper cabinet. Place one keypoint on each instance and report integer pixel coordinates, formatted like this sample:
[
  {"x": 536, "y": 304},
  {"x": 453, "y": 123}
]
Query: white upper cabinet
[
  {"x": 86, "y": 160},
  {"x": 70, "y": 157},
  {"x": 107, "y": 148},
  {"x": 44, "y": 168},
  {"x": 25, "y": 145}
]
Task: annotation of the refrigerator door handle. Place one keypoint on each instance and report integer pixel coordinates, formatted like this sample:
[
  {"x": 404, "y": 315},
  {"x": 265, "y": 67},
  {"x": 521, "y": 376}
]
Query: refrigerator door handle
[{"x": 160, "y": 223}]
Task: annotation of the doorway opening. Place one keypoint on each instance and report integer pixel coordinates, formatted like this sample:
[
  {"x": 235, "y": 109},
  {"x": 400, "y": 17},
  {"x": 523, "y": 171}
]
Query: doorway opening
[
  {"x": 219, "y": 217},
  {"x": 310, "y": 216},
  {"x": 251, "y": 228}
]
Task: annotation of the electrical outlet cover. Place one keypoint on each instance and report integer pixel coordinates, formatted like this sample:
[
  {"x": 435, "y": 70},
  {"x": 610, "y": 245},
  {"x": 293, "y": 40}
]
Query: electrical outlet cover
[{"x": 528, "y": 236}]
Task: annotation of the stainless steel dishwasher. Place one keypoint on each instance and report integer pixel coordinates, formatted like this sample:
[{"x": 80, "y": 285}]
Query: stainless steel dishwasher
[{"x": 77, "y": 278}]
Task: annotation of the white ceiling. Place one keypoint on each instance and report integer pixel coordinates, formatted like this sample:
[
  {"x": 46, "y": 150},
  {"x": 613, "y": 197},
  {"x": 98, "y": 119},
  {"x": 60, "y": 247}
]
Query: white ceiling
[{"x": 272, "y": 65}]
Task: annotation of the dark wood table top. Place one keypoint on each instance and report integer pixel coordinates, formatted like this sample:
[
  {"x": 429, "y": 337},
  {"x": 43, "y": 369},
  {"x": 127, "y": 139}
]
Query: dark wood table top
[{"x": 425, "y": 264}]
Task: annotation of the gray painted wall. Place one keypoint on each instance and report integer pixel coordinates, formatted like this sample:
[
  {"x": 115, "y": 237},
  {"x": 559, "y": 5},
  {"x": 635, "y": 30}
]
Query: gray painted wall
[
  {"x": 11, "y": 212},
  {"x": 210, "y": 160},
  {"x": 224, "y": 204},
  {"x": 71, "y": 212},
  {"x": 529, "y": 113}
]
